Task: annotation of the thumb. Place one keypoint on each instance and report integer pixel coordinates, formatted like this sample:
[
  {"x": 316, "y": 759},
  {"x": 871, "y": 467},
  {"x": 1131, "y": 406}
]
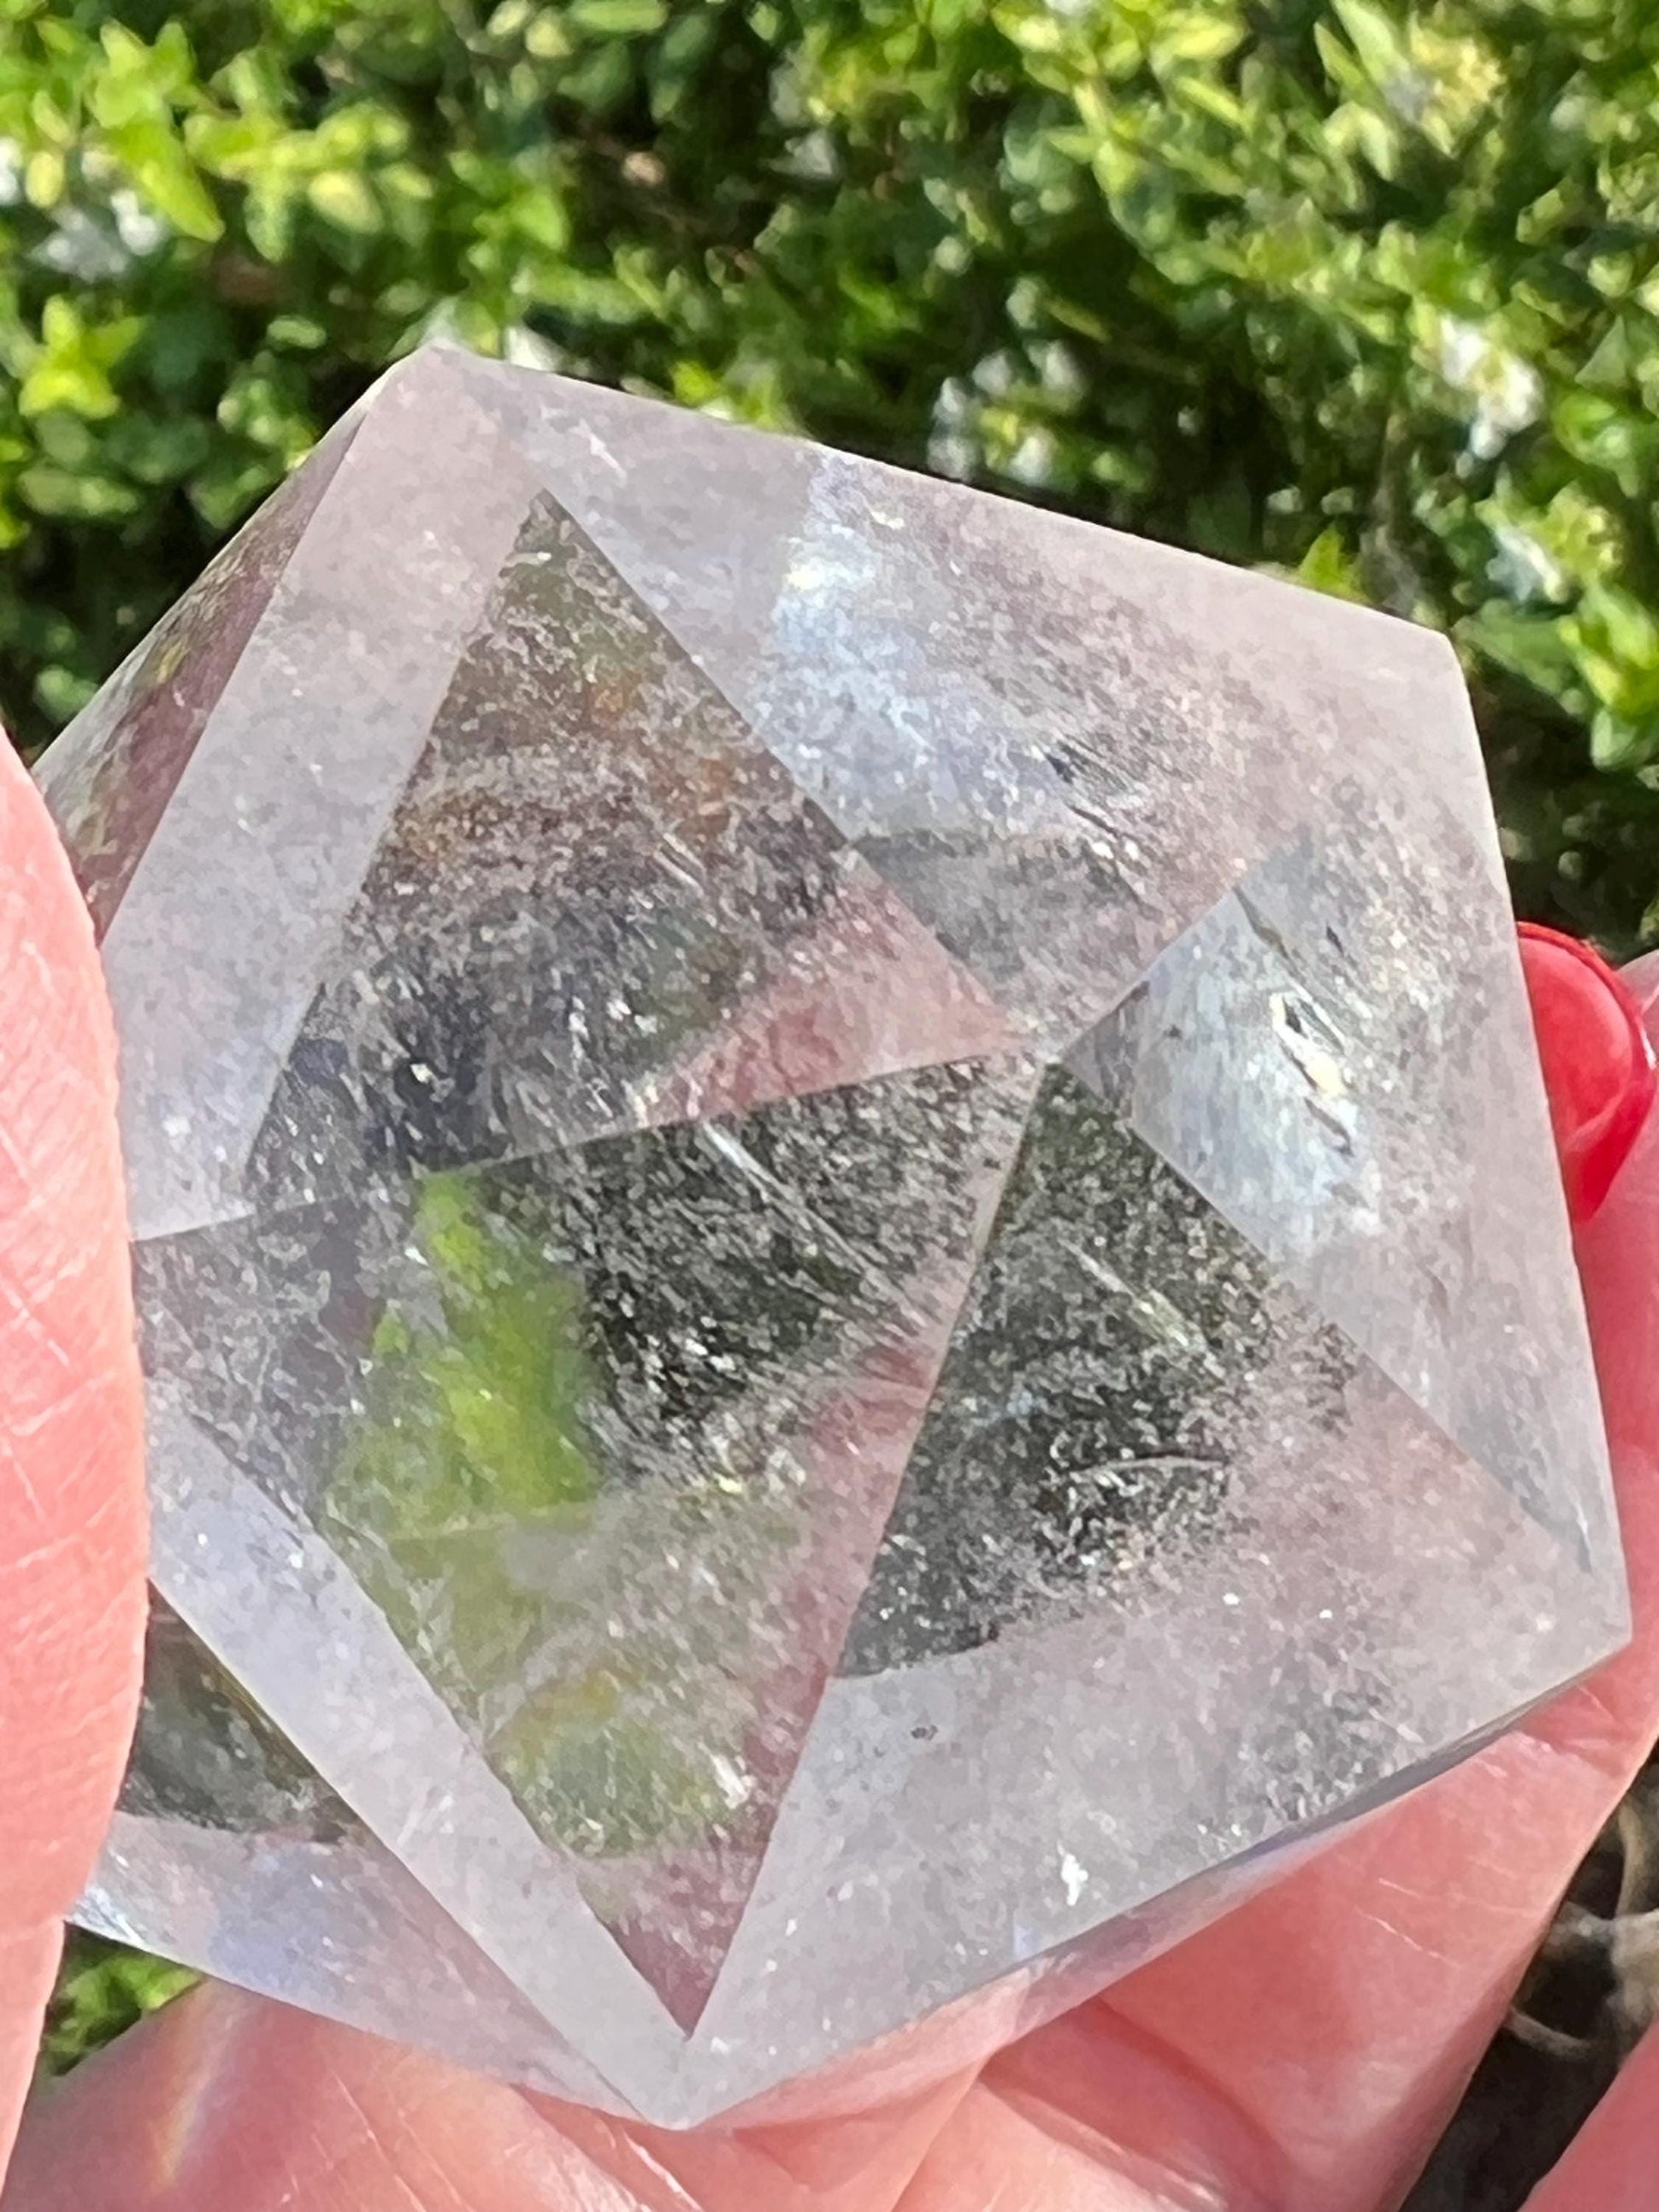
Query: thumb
[{"x": 71, "y": 1495}]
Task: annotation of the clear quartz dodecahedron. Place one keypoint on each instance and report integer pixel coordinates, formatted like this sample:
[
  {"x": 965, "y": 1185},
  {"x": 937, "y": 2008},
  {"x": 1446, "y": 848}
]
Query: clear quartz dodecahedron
[{"x": 846, "y": 1236}]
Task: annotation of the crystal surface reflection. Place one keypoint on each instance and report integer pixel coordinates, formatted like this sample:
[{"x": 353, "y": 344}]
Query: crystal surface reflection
[{"x": 846, "y": 1240}]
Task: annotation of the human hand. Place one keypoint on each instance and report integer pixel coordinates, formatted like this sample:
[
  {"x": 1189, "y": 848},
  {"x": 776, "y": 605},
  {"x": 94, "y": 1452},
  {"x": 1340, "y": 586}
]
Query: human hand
[{"x": 1297, "y": 2056}]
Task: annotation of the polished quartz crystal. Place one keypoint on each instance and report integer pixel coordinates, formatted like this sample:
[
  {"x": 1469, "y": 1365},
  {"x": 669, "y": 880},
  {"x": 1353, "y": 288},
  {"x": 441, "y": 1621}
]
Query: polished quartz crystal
[{"x": 846, "y": 1237}]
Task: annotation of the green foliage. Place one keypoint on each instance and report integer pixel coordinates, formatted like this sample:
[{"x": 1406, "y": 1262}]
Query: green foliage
[
  {"x": 1360, "y": 289},
  {"x": 102, "y": 1991}
]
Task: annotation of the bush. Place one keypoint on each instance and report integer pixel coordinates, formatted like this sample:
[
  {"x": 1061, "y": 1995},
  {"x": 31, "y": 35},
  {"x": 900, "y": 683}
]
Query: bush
[
  {"x": 103, "y": 1990},
  {"x": 1367, "y": 293}
]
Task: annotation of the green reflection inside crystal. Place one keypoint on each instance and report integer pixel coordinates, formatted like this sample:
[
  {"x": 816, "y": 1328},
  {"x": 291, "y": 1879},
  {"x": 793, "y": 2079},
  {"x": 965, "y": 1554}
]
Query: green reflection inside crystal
[{"x": 474, "y": 1504}]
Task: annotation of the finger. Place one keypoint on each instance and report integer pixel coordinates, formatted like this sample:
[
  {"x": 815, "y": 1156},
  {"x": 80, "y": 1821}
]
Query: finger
[
  {"x": 858, "y": 2161},
  {"x": 1613, "y": 2167},
  {"x": 228, "y": 2100},
  {"x": 71, "y": 1498},
  {"x": 1305, "y": 2051}
]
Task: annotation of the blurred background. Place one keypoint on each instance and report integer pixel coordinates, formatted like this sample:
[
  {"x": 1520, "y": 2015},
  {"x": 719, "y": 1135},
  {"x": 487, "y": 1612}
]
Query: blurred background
[{"x": 1364, "y": 292}]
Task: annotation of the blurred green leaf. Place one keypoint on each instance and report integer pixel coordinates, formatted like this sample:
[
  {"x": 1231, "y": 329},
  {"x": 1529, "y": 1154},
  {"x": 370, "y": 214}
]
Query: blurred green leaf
[
  {"x": 1328, "y": 566},
  {"x": 345, "y": 199},
  {"x": 164, "y": 174},
  {"x": 618, "y": 19},
  {"x": 68, "y": 496},
  {"x": 103, "y": 1990}
]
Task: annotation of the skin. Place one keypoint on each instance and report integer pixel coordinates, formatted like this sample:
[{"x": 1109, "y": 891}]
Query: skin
[{"x": 1300, "y": 2055}]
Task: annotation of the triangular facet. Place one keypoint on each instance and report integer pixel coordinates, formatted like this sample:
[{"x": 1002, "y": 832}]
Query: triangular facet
[
  {"x": 108, "y": 778},
  {"x": 600, "y": 904},
  {"x": 1132, "y": 1396},
  {"x": 610, "y": 1436},
  {"x": 1081, "y": 1431}
]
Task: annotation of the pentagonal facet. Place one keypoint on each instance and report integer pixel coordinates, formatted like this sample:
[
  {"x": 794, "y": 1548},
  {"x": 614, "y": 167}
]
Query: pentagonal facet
[{"x": 845, "y": 1233}]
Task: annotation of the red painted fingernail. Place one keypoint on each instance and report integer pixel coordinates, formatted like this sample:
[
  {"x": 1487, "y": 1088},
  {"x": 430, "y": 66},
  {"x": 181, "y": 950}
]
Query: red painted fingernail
[{"x": 1598, "y": 1064}]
